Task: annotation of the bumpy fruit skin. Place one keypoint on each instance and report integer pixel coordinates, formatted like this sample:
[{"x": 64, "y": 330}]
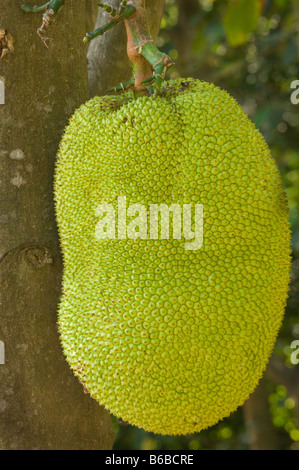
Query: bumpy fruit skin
[{"x": 167, "y": 339}]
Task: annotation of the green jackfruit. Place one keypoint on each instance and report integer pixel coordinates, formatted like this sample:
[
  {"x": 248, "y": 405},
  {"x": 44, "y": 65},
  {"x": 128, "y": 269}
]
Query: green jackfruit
[{"x": 170, "y": 339}]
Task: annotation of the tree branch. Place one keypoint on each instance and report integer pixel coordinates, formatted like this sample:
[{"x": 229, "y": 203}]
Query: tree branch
[
  {"x": 116, "y": 17},
  {"x": 258, "y": 420}
]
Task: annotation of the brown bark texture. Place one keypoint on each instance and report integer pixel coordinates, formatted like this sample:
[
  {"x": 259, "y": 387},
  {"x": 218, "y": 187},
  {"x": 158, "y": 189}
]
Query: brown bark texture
[{"x": 42, "y": 405}]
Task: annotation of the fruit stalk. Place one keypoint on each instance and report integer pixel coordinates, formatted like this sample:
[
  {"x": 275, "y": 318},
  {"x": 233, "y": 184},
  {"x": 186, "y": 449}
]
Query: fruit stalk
[
  {"x": 148, "y": 63},
  {"x": 143, "y": 53}
]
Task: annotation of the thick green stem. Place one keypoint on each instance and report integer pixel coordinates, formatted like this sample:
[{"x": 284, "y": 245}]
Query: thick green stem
[
  {"x": 143, "y": 52},
  {"x": 118, "y": 16},
  {"x": 54, "y": 5},
  {"x": 158, "y": 60},
  {"x": 35, "y": 9},
  {"x": 122, "y": 86}
]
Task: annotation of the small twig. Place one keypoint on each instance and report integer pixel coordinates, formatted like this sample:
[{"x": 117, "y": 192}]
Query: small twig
[
  {"x": 113, "y": 11},
  {"x": 35, "y": 9},
  {"x": 122, "y": 86},
  {"x": 50, "y": 10},
  {"x": 116, "y": 17},
  {"x": 109, "y": 9}
]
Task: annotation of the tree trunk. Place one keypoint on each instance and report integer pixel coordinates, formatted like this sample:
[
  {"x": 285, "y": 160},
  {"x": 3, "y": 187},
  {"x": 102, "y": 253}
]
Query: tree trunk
[
  {"x": 110, "y": 50},
  {"x": 258, "y": 420},
  {"x": 183, "y": 34},
  {"x": 42, "y": 405}
]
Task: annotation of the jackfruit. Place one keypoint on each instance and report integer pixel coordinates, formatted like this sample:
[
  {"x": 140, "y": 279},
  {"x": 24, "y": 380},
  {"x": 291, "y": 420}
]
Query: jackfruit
[{"x": 167, "y": 338}]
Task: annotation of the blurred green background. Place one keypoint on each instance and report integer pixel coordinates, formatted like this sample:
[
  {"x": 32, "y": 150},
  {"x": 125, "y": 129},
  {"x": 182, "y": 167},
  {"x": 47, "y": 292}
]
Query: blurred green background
[{"x": 251, "y": 49}]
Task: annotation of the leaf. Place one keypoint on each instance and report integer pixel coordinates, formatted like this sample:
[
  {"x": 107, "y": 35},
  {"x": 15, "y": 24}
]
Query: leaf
[{"x": 241, "y": 19}]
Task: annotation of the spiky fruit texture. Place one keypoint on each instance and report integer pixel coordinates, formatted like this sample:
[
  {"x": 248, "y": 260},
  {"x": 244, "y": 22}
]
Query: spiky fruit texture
[{"x": 171, "y": 340}]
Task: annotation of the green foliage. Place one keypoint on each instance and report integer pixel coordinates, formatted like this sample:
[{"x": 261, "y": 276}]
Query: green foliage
[
  {"x": 282, "y": 410},
  {"x": 240, "y": 20}
]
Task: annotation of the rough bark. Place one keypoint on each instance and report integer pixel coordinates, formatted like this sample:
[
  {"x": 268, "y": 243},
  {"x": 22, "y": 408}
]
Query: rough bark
[
  {"x": 111, "y": 49},
  {"x": 42, "y": 405},
  {"x": 92, "y": 10},
  {"x": 258, "y": 420}
]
